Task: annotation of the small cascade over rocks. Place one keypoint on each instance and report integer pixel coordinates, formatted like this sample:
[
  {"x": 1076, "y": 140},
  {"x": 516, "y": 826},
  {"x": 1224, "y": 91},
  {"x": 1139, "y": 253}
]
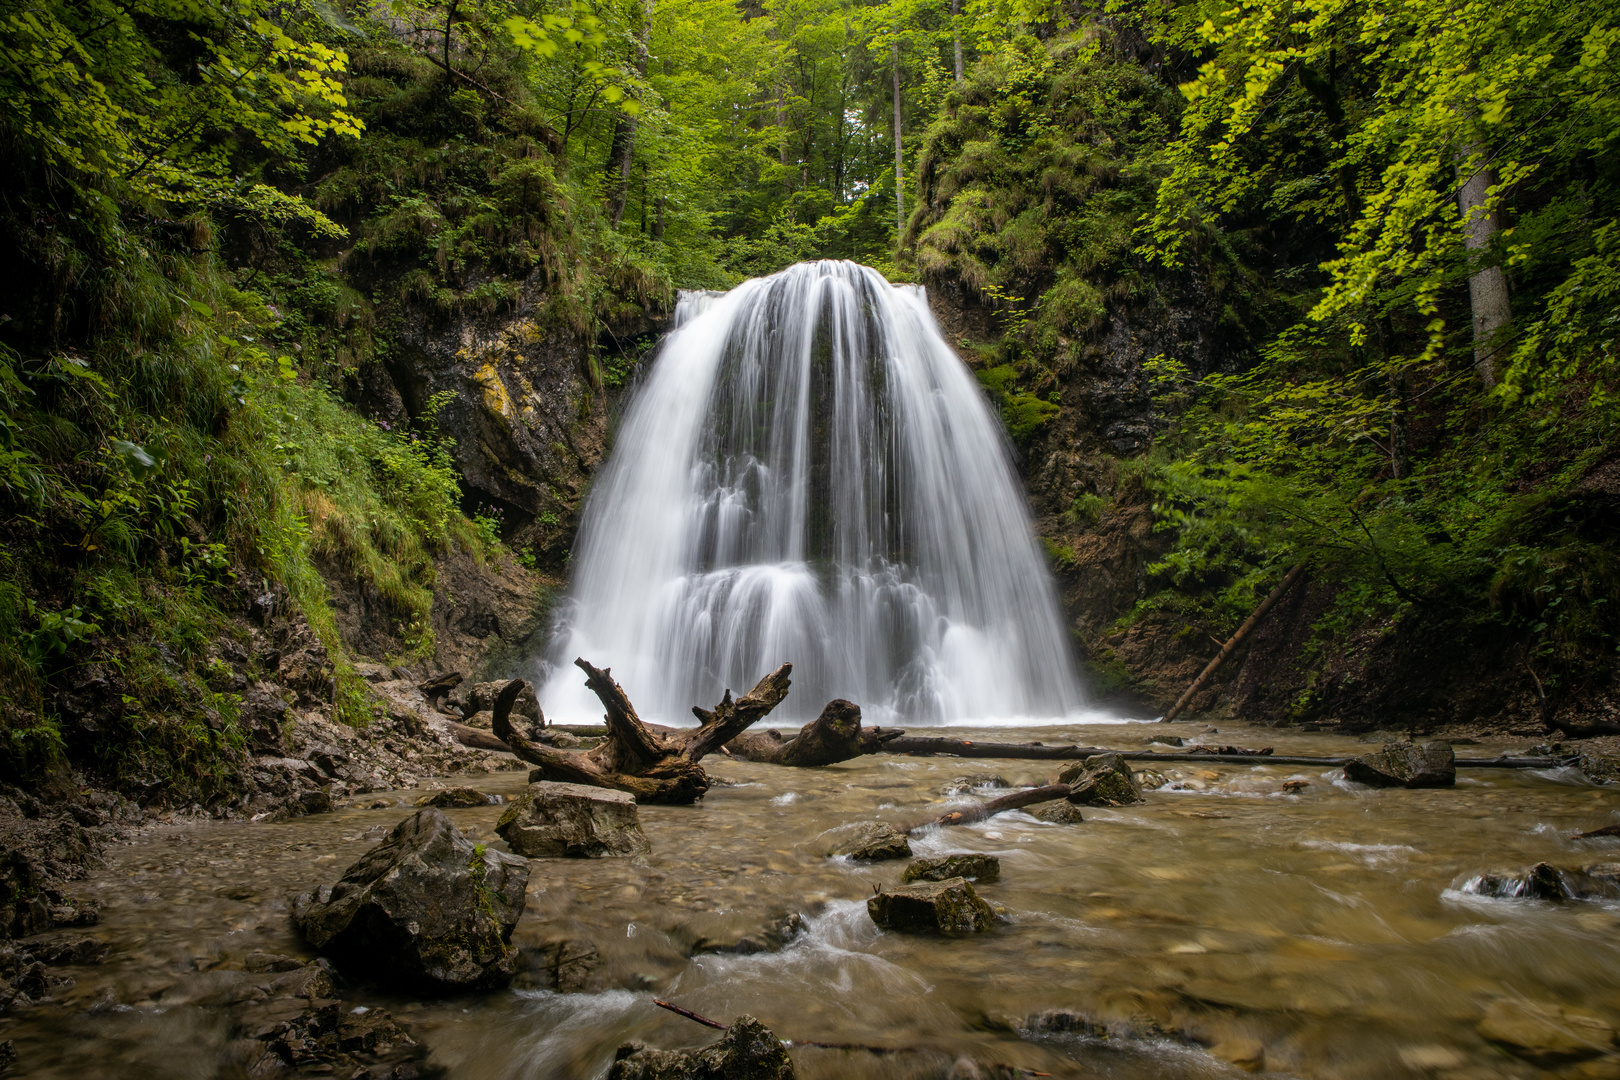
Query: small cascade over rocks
[{"x": 810, "y": 474}]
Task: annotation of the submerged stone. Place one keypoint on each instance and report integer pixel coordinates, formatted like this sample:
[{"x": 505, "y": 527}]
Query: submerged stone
[
  {"x": 426, "y": 906},
  {"x": 747, "y": 1051},
  {"x": 875, "y": 841},
  {"x": 972, "y": 866},
  {"x": 1102, "y": 780},
  {"x": 962, "y": 785},
  {"x": 948, "y": 907},
  {"x": 575, "y": 821},
  {"x": 1545, "y": 1035},
  {"x": 1405, "y": 764}
]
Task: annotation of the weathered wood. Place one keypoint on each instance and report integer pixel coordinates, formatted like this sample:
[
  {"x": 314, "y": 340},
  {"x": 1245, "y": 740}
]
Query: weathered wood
[
  {"x": 836, "y": 735},
  {"x": 1237, "y": 639},
  {"x": 440, "y": 684},
  {"x": 932, "y": 747},
  {"x": 967, "y": 815},
  {"x": 476, "y": 738},
  {"x": 731, "y": 718},
  {"x": 653, "y": 763}
]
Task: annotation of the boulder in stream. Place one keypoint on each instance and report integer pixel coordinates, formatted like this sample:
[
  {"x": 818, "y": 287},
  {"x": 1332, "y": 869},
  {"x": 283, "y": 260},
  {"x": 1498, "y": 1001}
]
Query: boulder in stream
[
  {"x": 1057, "y": 812},
  {"x": 426, "y": 906},
  {"x": 1102, "y": 780},
  {"x": 747, "y": 1051},
  {"x": 1544, "y": 881},
  {"x": 575, "y": 821},
  {"x": 972, "y": 865},
  {"x": 1406, "y": 764},
  {"x": 948, "y": 907},
  {"x": 875, "y": 841}
]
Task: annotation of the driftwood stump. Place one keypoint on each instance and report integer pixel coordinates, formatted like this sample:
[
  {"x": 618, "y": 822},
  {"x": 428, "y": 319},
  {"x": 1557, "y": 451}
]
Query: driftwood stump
[
  {"x": 836, "y": 735},
  {"x": 654, "y": 765}
]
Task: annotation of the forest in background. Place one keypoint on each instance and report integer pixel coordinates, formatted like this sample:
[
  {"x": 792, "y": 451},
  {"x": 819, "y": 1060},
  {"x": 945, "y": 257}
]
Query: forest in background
[{"x": 1396, "y": 226}]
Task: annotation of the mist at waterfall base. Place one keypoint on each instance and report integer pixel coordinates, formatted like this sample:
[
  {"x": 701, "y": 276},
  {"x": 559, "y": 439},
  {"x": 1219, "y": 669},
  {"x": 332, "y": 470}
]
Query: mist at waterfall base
[{"x": 808, "y": 473}]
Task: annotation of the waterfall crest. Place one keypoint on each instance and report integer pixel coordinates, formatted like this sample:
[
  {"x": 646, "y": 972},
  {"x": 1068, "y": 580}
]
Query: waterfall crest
[{"x": 810, "y": 474}]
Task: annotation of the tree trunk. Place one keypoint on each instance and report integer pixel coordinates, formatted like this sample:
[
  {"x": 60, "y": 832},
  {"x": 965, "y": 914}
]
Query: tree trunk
[
  {"x": 836, "y": 735},
  {"x": 656, "y": 766},
  {"x": 966, "y": 748},
  {"x": 658, "y": 218},
  {"x": 956, "y": 35},
  {"x": 1487, "y": 285},
  {"x": 478, "y": 740},
  {"x": 1237, "y": 639},
  {"x": 899, "y": 181},
  {"x": 622, "y": 152}
]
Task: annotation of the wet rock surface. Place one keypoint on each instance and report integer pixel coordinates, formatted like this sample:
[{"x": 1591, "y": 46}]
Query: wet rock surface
[
  {"x": 1406, "y": 764},
  {"x": 426, "y": 905},
  {"x": 972, "y": 866},
  {"x": 874, "y": 842},
  {"x": 556, "y": 820},
  {"x": 948, "y": 907},
  {"x": 747, "y": 1051},
  {"x": 1102, "y": 780}
]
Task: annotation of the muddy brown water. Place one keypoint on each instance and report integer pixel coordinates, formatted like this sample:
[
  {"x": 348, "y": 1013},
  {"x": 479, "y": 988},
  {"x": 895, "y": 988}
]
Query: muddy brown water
[{"x": 1326, "y": 925}]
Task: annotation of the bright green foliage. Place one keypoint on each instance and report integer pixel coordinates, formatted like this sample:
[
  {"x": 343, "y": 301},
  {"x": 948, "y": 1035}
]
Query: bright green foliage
[{"x": 89, "y": 85}]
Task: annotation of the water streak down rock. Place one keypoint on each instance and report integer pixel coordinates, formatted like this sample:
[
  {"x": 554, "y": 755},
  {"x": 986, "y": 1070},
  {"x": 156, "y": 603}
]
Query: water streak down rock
[
  {"x": 810, "y": 472},
  {"x": 426, "y": 906}
]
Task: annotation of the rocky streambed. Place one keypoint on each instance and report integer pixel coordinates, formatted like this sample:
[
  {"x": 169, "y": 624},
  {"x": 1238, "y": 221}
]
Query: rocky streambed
[{"x": 1264, "y": 917}]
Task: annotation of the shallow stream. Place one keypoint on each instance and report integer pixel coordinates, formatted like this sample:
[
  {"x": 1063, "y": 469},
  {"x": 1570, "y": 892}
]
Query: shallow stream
[{"x": 1327, "y": 926}]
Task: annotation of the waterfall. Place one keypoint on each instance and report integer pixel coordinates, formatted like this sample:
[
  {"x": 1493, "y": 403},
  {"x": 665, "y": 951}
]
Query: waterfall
[{"x": 808, "y": 473}]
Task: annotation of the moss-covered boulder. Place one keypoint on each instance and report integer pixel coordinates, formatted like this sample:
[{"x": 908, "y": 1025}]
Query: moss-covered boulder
[
  {"x": 1102, "y": 780},
  {"x": 1405, "y": 764},
  {"x": 971, "y": 865},
  {"x": 747, "y": 1051},
  {"x": 874, "y": 841},
  {"x": 947, "y": 907},
  {"x": 1601, "y": 768},
  {"x": 555, "y": 820},
  {"x": 426, "y": 906}
]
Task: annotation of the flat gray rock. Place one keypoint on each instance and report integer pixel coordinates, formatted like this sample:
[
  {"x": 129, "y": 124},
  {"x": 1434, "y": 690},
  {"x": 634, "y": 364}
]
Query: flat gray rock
[{"x": 552, "y": 820}]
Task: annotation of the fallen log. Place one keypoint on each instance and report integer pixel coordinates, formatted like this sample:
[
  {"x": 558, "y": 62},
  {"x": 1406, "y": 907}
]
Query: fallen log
[
  {"x": 923, "y": 747},
  {"x": 836, "y": 735},
  {"x": 655, "y": 765},
  {"x": 1237, "y": 639},
  {"x": 476, "y": 738},
  {"x": 931, "y": 747},
  {"x": 967, "y": 815}
]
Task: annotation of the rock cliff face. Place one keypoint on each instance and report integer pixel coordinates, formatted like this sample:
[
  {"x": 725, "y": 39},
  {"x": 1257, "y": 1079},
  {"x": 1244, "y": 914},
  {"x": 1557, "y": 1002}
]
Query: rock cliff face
[{"x": 523, "y": 394}]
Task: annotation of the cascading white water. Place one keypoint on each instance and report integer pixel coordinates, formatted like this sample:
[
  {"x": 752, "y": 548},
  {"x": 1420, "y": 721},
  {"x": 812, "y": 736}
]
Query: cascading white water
[{"x": 810, "y": 474}]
